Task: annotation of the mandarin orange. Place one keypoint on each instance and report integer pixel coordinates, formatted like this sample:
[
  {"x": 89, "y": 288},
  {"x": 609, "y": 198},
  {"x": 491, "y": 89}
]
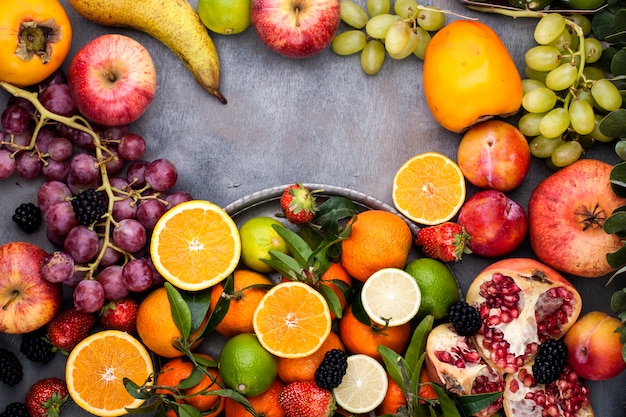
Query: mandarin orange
[
  {"x": 378, "y": 239},
  {"x": 394, "y": 399},
  {"x": 265, "y": 404}
]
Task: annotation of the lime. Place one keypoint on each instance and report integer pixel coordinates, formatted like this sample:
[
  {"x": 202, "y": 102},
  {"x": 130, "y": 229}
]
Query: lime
[
  {"x": 258, "y": 237},
  {"x": 245, "y": 366},
  {"x": 438, "y": 285},
  {"x": 363, "y": 387},
  {"x": 226, "y": 17},
  {"x": 390, "y": 296}
]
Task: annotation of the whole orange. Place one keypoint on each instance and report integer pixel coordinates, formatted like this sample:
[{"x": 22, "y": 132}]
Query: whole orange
[
  {"x": 303, "y": 369},
  {"x": 378, "y": 239},
  {"x": 466, "y": 62},
  {"x": 243, "y": 301},
  {"x": 394, "y": 399},
  {"x": 362, "y": 338},
  {"x": 265, "y": 404}
]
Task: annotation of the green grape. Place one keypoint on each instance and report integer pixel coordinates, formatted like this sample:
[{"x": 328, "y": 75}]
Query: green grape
[
  {"x": 596, "y": 133},
  {"x": 422, "y": 44},
  {"x": 574, "y": 42},
  {"x": 554, "y": 123},
  {"x": 563, "y": 41},
  {"x": 585, "y": 94},
  {"x": 572, "y": 60},
  {"x": 349, "y": 42},
  {"x": 581, "y": 117},
  {"x": 561, "y": 77},
  {"x": 542, "y": 58},
  {"x": 528, "y": 124},
  {"x": 352, "y": 14},
  {"x": 535, "y": 75},
  {"x": 566, "y": 154},
  {"x": 408, "y": 48},
  {"x": 549, "y": 28},
  {"x": 378, "y": 26},
  {"x": 405, "y": 8},
  {"x": 606, "y": 95},
  {"x": 620, "y": 149},
  {"x": 397, "y": 37},
  {"x": 372, "y": 56},
  {"x": 430, "y": 19},
  {"x": 542, "y": 147},
  {"x": 582, "y": 21},
  {"x": 593, "y": 73},
  {"x": 593, "y": 50},
  {"x": 376, "y": 7},
  {"x": 539, "y": 100},
  {"x": 529, "y": 84}
]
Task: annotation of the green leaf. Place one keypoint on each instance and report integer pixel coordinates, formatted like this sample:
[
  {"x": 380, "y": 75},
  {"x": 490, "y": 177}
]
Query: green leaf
[
  {"x": 618, "y": 301},
  {"x": 193, "y": 379},
  {"x": 331, "y": 299},
  {"x": 146, "y": 408},
  {"x": 602, "y": 24},
  {"x": 186, "y": 410},
  {"x": 618, "y": 179},
  {"x": 180, "y": 310},
  {"x": 358, "y": 311},
  {"x": 393, "y": 364},
  {"x": 417, "y": 345},
  {"x": 332, "y": 211},
  {"x": 448, "y": 406},
  {"x": 617, "y": 258},
  {"x": 300, "y": 250},
  {"x": 221, "y": 308},
  {"x": 135, "y": 390},
  {"x": 615, "y": 223},
  {"x": 285, "y": 265},
  {"x": 618, "y": 63},
  {"x": 472, "y": 404},
  {"x": 199, "y": 303}
]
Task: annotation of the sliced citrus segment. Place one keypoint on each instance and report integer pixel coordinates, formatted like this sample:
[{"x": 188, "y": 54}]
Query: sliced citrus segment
[
  {"x": 363, "y": 387},
  {"x": 96, "y": 367},
  {"x": 292, "y": 320},
  {"x": 391, "y": 296},
  {"x": 195, "y": 245},
  {"x": 429, "y": 188}
]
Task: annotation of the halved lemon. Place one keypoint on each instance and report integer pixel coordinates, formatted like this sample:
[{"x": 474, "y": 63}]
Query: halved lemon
[
  {"x": 363, "y": 387},
  {"x": 391, "y": 296}
]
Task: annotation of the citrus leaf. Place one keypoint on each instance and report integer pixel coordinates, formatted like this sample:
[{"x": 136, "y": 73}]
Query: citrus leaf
[
  {"x": 358, "y": 311},
  {"x": 472, "y": 404},
  {"x": 221, "y": 307},
  {"x": 448, "y": 406},
  {"x": 193, "y": 379},
  {"x": 417, "y": 345},
  {"x": 147, "y": 408},
  {"x": 332, "y": 211},
  {"x": 331, "y": 299},
  {"x": 199, "y": 303},
  {"x": 300, "y": 250},
  {"x": 186, "y": 410},
  {"x": 180, "y": 310},
  {"x": 135, "y": 390},
  {"x": 285, "y": 265}
]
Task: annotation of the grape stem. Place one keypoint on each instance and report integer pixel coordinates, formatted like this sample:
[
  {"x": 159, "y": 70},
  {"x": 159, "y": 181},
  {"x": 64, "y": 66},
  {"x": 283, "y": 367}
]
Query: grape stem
[{"x": 103, "y": 155}]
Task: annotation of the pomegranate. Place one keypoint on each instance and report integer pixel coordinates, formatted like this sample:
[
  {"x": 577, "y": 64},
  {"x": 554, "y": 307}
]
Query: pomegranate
[
  {"x": 454, "y": 362},
  {"x": 566, "y": 396},
  {"x": 522, "y": 303}
]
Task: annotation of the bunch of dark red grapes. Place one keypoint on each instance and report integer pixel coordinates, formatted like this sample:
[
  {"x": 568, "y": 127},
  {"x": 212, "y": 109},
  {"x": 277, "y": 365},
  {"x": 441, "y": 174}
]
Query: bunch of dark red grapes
[{"x": 99, "y": 200}]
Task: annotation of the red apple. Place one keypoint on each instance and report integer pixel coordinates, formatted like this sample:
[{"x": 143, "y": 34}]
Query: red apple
[
  {"x": 494, "y": 154},
  {"x": 566, "y": 212},
  {"x": 112, "y": 79},
  {"x": 594, "y": 350},
  {"x": 295, "y": 28},
  {"x": 497, "y": 225},
  {"x": 27, "y": 300}
]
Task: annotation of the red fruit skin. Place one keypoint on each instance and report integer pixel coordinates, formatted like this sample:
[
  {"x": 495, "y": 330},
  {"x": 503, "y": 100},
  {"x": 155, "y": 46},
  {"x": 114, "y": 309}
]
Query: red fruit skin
[
  {"x": 298, "y": 204},
  {"x": 594, "y": 348},
  {"x": 120, "y": 315},
  {"x": 69, "y": 327},
  {"x": 306, "y": 399},
  {"x": 446, "y": 242},
  {"x": 42, "y": 392}
]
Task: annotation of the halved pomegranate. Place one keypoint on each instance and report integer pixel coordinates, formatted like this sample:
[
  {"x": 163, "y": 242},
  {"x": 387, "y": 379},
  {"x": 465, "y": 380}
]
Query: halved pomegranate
[
  {"x": 566, "y": 396},
  {"x": 522, "y": 302},
  {"x": 454, "y": 362}
]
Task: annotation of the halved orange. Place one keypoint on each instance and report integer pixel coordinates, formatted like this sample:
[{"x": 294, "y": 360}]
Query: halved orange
[
  {"x": 95, "y": 369},
  {"x": 429, "y": 188},
  {"x": 292, "y": 320},
  {"x": 195, "y": 245}
]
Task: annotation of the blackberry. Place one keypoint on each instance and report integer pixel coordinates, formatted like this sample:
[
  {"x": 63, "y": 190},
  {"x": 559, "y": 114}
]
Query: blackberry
[
  {"x": 36, "y": 348},
  {"x": 89, "y": 206},
  {"x": 464, "y": 318},
  {"x": 11, "y": 372},
  {"x": 15, "y": 409},
  {"x": 550, "y": 361},
  {"x": 330, "y": 372},
  {"x": 28, "y": 217}
]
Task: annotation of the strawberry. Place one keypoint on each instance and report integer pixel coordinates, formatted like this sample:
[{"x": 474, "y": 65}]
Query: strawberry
[
  {"x": 68, "y": 327},
  {"x": 46, "y": 397},
  {"x": 446, "y": 241},
  {"x": 120, "y": 315},
  {"x": 298, "y": 204},
  {"x": 306, "y": 399}
]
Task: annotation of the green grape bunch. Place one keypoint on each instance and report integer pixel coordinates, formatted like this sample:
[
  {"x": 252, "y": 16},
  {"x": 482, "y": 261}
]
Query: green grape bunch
[
  {"x": 565, "y": 97},
  {"x": 379, "y": 31}
]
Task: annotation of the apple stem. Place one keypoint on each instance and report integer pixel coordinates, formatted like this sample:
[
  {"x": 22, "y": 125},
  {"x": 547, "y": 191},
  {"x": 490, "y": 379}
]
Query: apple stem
[
  {"x": 14, "y": 295},
  {"x": 297, "y": 10},
  {"x": 109, "y": 75}
]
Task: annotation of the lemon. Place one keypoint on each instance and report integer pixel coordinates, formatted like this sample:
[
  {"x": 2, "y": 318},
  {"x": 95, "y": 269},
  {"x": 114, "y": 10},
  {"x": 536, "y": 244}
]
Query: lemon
[
  {"x": 245, "y": 366},
  {"x": 363, "y": 387},
  {"x": 258, "y": 237},
  {"x": 226, "y": 17},
  {"x": 438, "y": 286},
  {"x": 391, "y": 296}
]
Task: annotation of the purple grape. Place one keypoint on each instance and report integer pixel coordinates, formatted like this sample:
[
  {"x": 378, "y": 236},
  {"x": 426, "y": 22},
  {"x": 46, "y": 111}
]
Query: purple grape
[
  {"x": 24, "y": 138},
  {"x": 78, "y": 187},
  {"x": 88, "y": 296},
  {"x": 149, "y": 212},
  {"x": 83, "y": 140},
  {"x": 59, "y": 218},
  {"x": 57, "y": 98},
  {"x": 132, "y": 146},
  {"x": 84, "y": 168},
  {"x": 129, "y": 235},
  {"x": 56, "y": 240},
  {"x": 157, "y": 278},
  {"x": 20, "y": 101},
  {"x": 110, "y": 256},
  {"x": 116, "y": 162},
  {"x": 60, "y": 149},
  {"x": 82, "y": 244},
  {"x": 15, "y": 119},
  {"x": 56, "y": 171},
  {"x": 118, "y": 184},
  {"x": 111, "y": 133},
  {"x": 77, "y": 277},
  {"x": 28, "y": 165},
  {"x": 45, "y": 135},
  {"x": 51, "y": 192},
  {"x": 161, "y": 175},
  {"x": 176, "y": 198},
  {"x": 124, "y": 209},
  {"x": 137, "y": 275},
  {"x": 135, "y": 174},
  {"x": 57, "y": 266},
  {"x": 57, "y": 77},
  {"x": 113, "y": 282},
  {"x": 7, "y": 164}
]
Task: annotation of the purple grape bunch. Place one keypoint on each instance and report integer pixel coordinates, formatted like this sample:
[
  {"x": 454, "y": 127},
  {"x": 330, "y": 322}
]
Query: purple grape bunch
[{"x": 100, "y": 200}]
